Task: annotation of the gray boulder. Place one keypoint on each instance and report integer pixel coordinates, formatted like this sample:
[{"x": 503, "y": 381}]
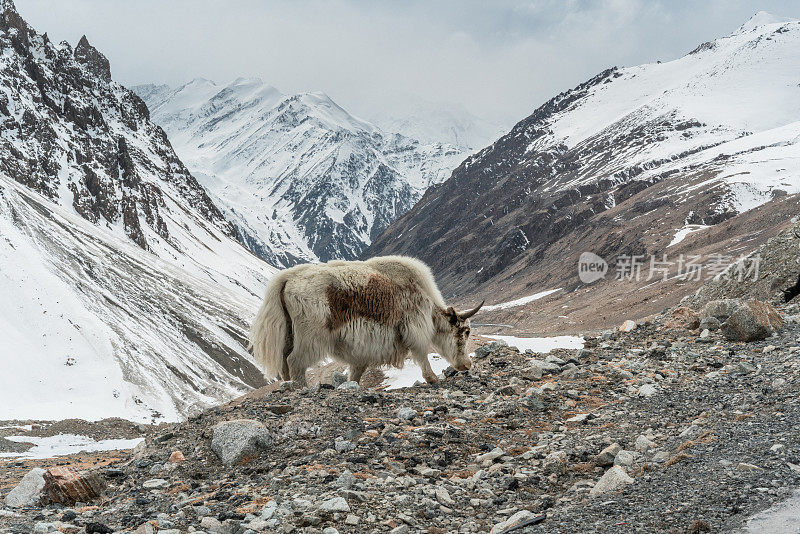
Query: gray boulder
[
  {"x": 239, "y": 441},
  {"x": 751, "y": 321},
  {"x": 720, "y": 309},
  {"x": 28, "y": 491},
  {"x": 613, "y": 479}
]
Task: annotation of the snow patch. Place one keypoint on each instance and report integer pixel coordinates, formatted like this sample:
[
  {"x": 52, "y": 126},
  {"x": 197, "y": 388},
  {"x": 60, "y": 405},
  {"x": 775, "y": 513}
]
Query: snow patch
[
  {"x": 411, "y": 373},
  {"x": 66, "y": 444},
  {"x": 681, "y": 234},
  {"x": 541, "y": 344},
  {"x": 520, "y": 301}
]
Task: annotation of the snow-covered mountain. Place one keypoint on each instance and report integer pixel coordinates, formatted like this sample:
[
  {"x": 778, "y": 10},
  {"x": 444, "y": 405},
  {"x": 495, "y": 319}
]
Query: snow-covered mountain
[
  {"x": 299, "y": 177},
  {"x": 432, "y": 122},
  {"x": 125, "y": 286},
  {"x": 630, "y": 155}
]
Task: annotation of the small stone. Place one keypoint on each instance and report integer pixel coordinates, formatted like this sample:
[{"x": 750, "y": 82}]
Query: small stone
[
  {"x": 606, "y": 457},
  {"x": 402, "y": 529},
  {"x": 211, "y": 523},
  {"x": 68, "y": 515},
  {"x": 329, "y": 530},
  {"x": 155, "y": 483},
  {"x": 624, "y": 457},
  {"x": 743, "y": 466},
  {"x": 544, "y": 367},
  {"x": 239, "y": 441},
  {"x": 336, "y": 504},
  {"x": 646, "y": 390},
  {"x": 490, "y": 456},
  {"x": 660, "y": 457},
  {"x": 350, "y": 385},
  {"x": 346, "y": 480},
  {"x": 643, "y": 444},
  {"x": 337, "y": 379},
  {"x": 627, "y": 326},
  {"x": 176, "y": 457},
  {"x": 706, "y": 333},
  {"x": 443, "y": 496},
  {"x": 343, "y": 445},
  {"x": 28, "y": 491},
  {"x": 612, "y": 480},
  {"x": 98, "y": 528},
  {"x": 555, "y": 462},
  {"x": 406, "y": 414},
  {"x": 523, "y": 517},
  {"x": 352, "y": 520}
]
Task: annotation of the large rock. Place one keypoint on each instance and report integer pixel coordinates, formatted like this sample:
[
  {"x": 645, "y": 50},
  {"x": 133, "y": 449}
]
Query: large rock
[
  {"x": 721, "y": 309},
  {"x": 28, "y": 491},
  {"x": 614, "y": 479},
  {"x": 751, "y": 321},
  {"x": 63, "y": 485},
  {"x": 239, "y": 441},
  {"x": 684, "y": 317}
]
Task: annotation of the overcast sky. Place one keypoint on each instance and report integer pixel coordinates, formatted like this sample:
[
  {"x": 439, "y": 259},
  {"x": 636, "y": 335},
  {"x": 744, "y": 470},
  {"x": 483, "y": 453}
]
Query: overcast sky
[{"x": 499, "y": 59}]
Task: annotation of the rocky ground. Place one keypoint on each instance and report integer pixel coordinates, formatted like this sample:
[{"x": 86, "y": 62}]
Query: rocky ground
[{"x": 660, "y": 429}]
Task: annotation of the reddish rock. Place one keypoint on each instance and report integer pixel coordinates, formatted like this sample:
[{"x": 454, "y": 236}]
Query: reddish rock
[
  {"x": 176, "y": 457},
  {"x": 63, "y": 485},
  {"x": 684, "y": 317}
]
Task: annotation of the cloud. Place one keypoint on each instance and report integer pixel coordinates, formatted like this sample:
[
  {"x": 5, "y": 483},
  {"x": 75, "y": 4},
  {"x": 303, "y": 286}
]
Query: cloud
[{"x": 499, "y": 59}]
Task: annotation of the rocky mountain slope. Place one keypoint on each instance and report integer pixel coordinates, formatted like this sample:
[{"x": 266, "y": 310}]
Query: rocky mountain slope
[
  {"x": 655, "y": 430},
  {"x": 619, "y": 165},
  {"x": 298, "y": 176},
  {"x": 112, "y": 252}
]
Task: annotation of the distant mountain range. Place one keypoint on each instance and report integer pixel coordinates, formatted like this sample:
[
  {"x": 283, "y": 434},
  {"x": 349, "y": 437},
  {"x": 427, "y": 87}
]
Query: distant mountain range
[
  {"x": 299, "y": 177},
  {"x": 619, "y": 164}
]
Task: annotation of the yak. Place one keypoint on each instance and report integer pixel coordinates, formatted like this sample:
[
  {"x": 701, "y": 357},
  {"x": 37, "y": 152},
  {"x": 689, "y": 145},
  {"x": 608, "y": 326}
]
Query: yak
[{"x": 363, "y": 313}]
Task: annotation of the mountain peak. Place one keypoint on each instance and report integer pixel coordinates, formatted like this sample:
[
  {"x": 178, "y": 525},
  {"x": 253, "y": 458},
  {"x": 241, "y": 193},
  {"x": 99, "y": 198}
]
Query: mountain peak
[
  {"x": 7, "y": 6},
  {"x": 94, "y": 60},
  {"x": 763, "y": 18}
]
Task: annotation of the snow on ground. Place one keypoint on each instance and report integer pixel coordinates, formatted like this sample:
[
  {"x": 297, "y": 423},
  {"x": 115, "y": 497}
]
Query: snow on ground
[
  {"x": 411, "y": 372},
  {"x": 520, "y": 301},
  {"x": 681, "y": 234},
  {"x": 66, "y": 444},
  {"x": 541, "y": 344},
  {"x": 89, "y": 322},
  {"x": 780, "y": 519}
]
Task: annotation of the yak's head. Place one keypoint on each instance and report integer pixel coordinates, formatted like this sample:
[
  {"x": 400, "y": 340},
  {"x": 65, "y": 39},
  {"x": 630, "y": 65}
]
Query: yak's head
[{"x": 452, "y": 332}]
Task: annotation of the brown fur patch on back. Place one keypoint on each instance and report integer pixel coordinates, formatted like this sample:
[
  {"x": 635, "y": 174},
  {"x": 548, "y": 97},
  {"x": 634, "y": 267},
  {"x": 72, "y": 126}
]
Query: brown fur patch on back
[{"x": 379, "y": 300}]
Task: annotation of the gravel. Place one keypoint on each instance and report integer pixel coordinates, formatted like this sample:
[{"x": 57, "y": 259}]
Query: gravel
[{"x": 715, "y": 444}]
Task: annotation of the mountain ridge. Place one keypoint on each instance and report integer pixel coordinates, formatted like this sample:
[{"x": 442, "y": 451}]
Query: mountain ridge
[
  {"x": 113, "y": 255},
  {"x": 300, "y": 177},
  {"x": 629, "y": 142}
]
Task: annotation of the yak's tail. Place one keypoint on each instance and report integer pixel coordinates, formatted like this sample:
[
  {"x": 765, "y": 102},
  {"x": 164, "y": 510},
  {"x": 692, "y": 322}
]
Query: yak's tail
[{"x": 271, "y": 330}]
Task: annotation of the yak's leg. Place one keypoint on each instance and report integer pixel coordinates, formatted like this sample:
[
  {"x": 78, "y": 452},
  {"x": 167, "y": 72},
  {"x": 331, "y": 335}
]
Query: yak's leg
[
  {"x": 297, "y": 369},
  {"x": 421, "y": 357},
  {"x": 285, "y": 374},
  {"x": 356, "y": 371}
]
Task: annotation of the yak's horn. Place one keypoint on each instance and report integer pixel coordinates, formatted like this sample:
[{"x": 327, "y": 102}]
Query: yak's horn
[{"x": 469, "y": 313}]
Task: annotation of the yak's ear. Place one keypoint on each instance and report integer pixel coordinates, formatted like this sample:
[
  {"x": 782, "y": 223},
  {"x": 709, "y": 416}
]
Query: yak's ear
[{"x": 451, "y": 314}]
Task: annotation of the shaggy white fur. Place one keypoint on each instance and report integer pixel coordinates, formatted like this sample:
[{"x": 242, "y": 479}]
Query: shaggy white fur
[{"x": 364, "y": 313}]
